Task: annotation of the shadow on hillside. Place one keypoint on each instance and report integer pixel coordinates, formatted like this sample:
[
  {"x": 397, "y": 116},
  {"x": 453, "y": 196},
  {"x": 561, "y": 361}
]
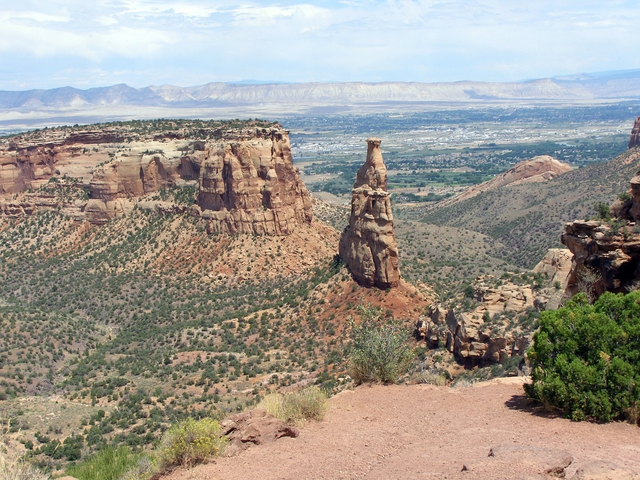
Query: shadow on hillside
[{"x": 524, "y": 404}]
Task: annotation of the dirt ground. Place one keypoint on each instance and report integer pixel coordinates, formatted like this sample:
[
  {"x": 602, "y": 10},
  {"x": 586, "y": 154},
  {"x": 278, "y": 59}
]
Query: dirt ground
[{"x": 424, "y": 431}]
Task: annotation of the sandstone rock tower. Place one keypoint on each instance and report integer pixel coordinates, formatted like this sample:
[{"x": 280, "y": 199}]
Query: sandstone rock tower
[
  {"x": 251, "y": 186},
  {"x": 634, "y": 140},
  {"x": 368, "y": 245}
]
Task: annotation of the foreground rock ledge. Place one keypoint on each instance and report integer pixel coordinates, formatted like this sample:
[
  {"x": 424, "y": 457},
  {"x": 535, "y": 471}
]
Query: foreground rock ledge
[{"x": 368, "y": 245}]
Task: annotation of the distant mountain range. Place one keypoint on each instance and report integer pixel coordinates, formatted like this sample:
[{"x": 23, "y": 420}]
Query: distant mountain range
[{"x": 606, "y": 85}]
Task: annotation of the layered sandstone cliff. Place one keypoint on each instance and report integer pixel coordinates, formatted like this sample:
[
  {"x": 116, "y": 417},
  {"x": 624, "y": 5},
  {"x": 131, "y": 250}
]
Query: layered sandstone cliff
[
  {"x": 244, "y": 174},
  {"x": 368, "y": 244},
  {"x": 252, "y": 187}
]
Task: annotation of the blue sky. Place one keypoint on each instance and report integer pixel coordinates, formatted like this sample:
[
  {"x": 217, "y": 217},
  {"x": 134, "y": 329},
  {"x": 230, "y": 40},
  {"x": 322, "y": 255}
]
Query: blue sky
[{"x": 84, "y": 43}]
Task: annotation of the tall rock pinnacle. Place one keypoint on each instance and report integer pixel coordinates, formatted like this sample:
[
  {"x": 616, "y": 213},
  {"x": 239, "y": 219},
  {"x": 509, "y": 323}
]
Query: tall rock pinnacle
[
  {"x": 368, "y": 245},
  {"x": 634, "y": 140}
]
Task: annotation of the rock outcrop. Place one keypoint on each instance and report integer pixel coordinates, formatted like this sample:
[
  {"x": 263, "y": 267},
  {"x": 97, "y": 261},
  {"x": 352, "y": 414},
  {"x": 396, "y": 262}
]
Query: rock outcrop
[
  {"x": 245, "y": 175},
  {"x": 606, "y": 253},
  {"x": 499, "y": 327},
  {"x": 254, "y": 427},
  {"x": 634, "y": 140},
  {"x": 252, "y": 187},
  {"x": 470, "y": 337},
  {"x": 368, "y": 244},
  {"x": 538, "y": 169}
]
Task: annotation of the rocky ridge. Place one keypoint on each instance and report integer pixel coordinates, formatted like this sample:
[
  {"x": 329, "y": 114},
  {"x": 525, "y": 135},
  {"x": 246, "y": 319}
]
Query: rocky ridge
[
  {"x": 244, "y": 174},
  {"x": 538, "y": 169},
  {"x": 368, "y": 244}
]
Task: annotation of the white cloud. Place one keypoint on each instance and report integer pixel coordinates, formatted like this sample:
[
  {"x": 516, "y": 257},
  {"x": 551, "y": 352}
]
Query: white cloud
[
  {"x": 32, "y": 15},
  {"x": 422, "y": 40}
]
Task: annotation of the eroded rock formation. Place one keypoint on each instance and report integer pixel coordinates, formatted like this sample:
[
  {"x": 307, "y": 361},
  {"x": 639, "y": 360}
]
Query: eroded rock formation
[
  {"x": 368, "y": 244},
  {"x": 606, "y": 253},
  {"x": 488, "y": 333},
  {"x": 252, "y": 187},
  {"x": 246, "y": 179},
  {"x": 634, "y": 140}
]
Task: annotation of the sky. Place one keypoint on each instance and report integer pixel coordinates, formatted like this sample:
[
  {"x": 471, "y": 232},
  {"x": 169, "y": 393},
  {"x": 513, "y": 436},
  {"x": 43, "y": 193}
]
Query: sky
[{"x": 89, "y": 43}]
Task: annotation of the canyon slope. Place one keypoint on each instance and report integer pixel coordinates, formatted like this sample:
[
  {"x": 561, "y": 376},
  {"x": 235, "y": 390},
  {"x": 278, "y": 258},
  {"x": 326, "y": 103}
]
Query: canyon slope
[
  {"x": 537, "y": 169},
  {"x": 606, "y": 250}
]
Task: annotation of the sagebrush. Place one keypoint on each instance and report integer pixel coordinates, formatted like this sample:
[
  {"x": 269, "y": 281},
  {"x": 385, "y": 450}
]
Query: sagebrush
[
  {"x": 191, "y": 442},
  {"x": 379, "y": 352}
]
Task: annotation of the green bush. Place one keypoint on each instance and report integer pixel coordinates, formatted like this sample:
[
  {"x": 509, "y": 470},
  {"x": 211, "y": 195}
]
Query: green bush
[
  {"x": 109, "y": 464},
  {"x": 190, "y": 442},
  {"x": 308, "y": 404},
  {"x": 586, "y": 358},
  {"x": 379, "y": 352}
]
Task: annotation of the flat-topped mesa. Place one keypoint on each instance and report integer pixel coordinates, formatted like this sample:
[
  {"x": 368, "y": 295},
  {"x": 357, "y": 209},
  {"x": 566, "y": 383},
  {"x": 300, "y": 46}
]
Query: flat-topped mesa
[
  {"x": 634, "y": 140},
  {"x": 368, "y": 244},
  {"x": 252, "y": 187},
  {"x": 244, "y": 170}
]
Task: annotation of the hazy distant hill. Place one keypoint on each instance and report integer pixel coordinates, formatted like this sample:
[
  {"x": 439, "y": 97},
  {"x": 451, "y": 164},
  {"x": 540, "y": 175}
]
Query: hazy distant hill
[{"x": 612, "y": 85}]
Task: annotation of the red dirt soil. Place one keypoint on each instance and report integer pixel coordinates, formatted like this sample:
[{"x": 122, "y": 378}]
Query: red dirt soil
[{"x": 424, "y": 431}]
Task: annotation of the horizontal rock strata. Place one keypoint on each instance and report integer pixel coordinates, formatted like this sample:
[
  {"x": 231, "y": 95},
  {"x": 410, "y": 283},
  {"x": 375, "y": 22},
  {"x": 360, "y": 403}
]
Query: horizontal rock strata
[{"x": 245, "y": 176}]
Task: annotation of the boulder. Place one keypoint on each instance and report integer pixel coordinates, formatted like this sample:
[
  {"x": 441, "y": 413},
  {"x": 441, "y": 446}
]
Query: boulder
[
  {"x": 368, "y": 244},
  {"x": 604, "y": 471},
  {"x": 254, "y": 427}
]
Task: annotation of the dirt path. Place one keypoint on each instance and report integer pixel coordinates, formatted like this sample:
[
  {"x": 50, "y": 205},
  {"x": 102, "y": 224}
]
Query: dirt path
[{"x": 420, "y": 431}]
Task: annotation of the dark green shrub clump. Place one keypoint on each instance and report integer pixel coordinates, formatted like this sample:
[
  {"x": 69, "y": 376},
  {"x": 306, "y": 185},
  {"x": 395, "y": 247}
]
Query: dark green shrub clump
[{"x": 586, "y": 358}]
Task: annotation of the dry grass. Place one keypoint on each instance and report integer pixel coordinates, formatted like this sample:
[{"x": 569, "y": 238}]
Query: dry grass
[
  {"x": 432, "y": 379},
  {"x": 308, "y": 404},
  {"x": 16, "y": 469}
]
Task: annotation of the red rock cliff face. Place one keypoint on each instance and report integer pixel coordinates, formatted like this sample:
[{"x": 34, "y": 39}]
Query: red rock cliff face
[
  {"x": 368, "y": 245},
  {"x": 252, "y": 187},
  {"x": 634, "y": 140},
  {"x": 247, "y": 182}
]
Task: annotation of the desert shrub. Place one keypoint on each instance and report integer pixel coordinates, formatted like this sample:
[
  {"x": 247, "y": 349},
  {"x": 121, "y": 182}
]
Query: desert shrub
[
  {"x": 602, "y": 211},
  {"x": 109, "y": 464},
  {"x": 190, "y": 442},
  {"x": 379, "y": 352},
  {"x": 586, "y": 358},
  {"x": 308, "y": 404}
]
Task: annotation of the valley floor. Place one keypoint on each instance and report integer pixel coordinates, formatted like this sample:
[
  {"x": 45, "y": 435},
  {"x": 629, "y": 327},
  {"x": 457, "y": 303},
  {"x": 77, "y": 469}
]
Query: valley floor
[{"x": 424, "y": 431}]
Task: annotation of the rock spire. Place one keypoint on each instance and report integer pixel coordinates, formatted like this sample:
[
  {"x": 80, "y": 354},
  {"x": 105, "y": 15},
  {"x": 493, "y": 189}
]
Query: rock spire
[
  {"x": 368, "y": 245},
  {"x": 634, "y": 140}
]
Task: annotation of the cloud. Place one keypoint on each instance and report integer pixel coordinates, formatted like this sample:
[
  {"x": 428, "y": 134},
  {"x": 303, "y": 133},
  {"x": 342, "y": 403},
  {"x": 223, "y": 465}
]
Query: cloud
[{"x": 153, "y": 42}]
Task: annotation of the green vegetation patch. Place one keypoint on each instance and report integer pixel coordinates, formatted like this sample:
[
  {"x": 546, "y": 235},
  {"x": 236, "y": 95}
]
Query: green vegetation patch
[{"x": 586, "y": 358}]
